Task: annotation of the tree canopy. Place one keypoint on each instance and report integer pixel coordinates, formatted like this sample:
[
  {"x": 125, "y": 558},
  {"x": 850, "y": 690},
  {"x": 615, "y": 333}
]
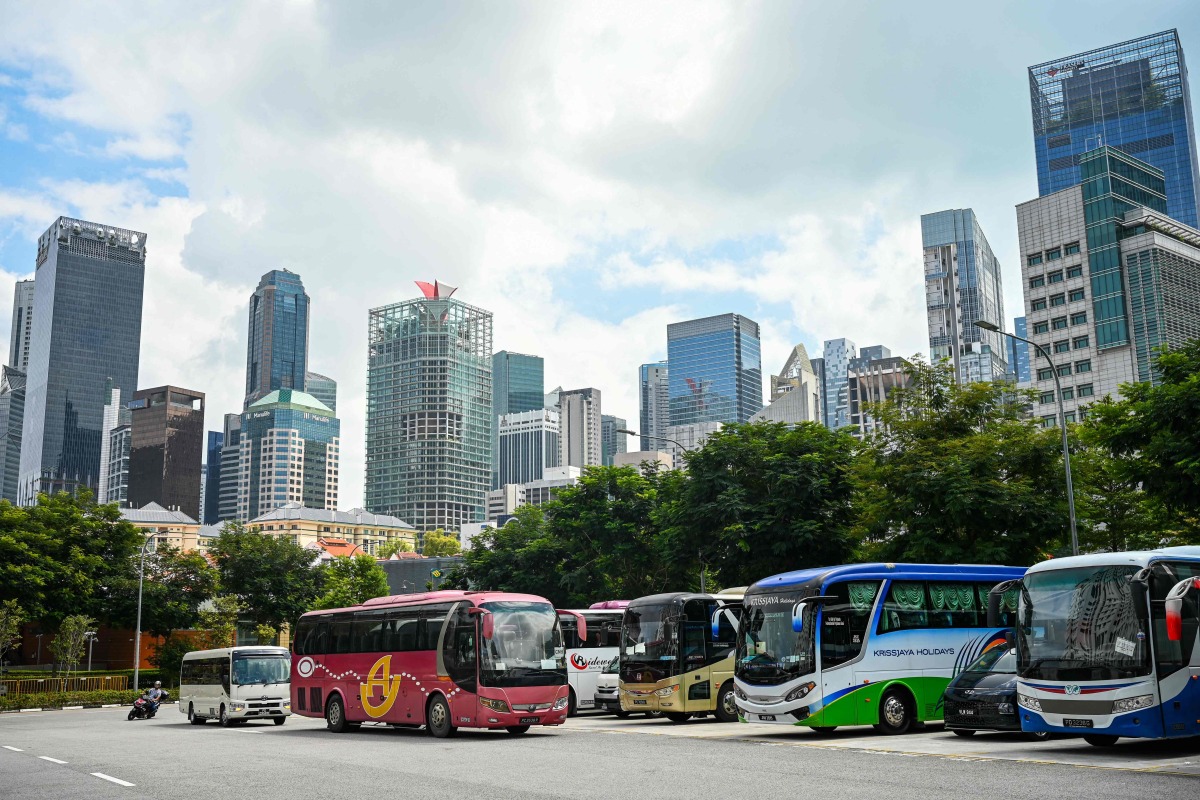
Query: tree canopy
[
  {"x": 272, "y": 578},
  {"x": 350, "y": 581}
]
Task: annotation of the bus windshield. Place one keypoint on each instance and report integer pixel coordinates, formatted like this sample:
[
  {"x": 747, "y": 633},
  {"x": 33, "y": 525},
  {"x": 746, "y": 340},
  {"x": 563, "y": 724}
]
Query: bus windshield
[
  {"x": 253, "y": 668},
  {"x": 526, "y": 648},
  {"x": 1082, "y": 624},
  {"x": 649, "y": 642},
  {"x": 769, "y": 651}
]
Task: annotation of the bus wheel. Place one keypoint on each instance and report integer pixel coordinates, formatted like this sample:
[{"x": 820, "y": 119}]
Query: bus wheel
[
  {"x": 517, "y": 730},
  {"x": 824, "y": 728},
  {"x": 962, "y": 733},
  {"x": 438, "y": 718},
  {"x": 193, "y": 717},
  {"x": 572, "y": 707},
  {"x": 1101, "y": 739},
  {"x": 895, "y": 713},
  {"x": 226, "y": 722},
  {"x": 335, "y": 715},
  {"x": 677, "y": 716},
  {"x": 726, "y": 704}
]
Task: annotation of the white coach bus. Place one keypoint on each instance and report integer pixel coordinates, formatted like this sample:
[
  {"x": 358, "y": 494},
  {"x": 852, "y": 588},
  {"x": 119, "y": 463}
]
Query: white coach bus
[
  {"x": 587, "y": 659},
  {"x": 235, "y": 684}
]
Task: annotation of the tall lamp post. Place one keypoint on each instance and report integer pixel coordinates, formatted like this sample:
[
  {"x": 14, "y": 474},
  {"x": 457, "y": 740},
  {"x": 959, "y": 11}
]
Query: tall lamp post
[
  {"x": 137, "y": 630},
  {"x": 91, "y": 640},
  {"x": 1062, "y": 424}
]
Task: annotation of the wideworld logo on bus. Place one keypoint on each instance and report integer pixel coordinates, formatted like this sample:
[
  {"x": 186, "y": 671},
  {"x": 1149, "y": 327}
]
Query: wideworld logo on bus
[{"x": 582, "y": 663}]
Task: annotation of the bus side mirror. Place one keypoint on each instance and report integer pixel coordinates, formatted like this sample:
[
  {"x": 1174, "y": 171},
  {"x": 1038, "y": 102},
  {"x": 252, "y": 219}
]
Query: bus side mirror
[
  {"x": 1174, "y": 606},
  {"x": 487, "y": 623},
  {"x": 580, "y": 623},
  {"x": 995, "y": 599},
  {"x": 798, "y": 617}
]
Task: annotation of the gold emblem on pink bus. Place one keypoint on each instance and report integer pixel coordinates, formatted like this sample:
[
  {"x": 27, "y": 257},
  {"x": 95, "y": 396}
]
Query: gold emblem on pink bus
[{"x": 380, "y": 677}]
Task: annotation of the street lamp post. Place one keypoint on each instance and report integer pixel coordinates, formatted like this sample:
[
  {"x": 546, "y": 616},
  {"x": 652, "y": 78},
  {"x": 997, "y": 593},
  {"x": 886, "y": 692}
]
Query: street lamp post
[
  {"x": 39, "y": 652},
  {"x": 91, "y": 640},
  {"x": 1062, "y": 423},
  {"x": 137, "y": 630}
]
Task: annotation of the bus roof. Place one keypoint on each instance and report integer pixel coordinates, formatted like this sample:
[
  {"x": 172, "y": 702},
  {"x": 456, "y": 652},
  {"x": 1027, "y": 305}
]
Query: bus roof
[
  {"x": 245, "y": 649},
  {"x": 430, "y": 598},
  {"x": 668, "y": 597},
  {"x": 1140, "y": 558},
  {"x": 819, "y": 576}
]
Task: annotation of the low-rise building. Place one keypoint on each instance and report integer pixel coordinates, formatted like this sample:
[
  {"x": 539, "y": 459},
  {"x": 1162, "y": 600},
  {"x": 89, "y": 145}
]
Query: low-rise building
[
  {"x": 170, "y": 526},
  {"x": 358, "y": 527},
  {"x": 639, "y": 457}
]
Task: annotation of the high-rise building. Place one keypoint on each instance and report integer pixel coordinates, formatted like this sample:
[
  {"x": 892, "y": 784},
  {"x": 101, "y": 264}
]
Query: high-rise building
[
  {"x": 1133, "y": 96},
  {"x": 611, "y": 442},
  {"x": 323, "y": 388},
  {"x": 429, "y": 410},
  {"x": 714, "y": 370},
  {"x": 818, "y": 368},
  {"x": 212, "y": 478},
  {"x": 962, "y": 285},
  {"x": 115, "y": 413},
  {"x": 654, "y": 407},
  {"x": 529, "y": 443},
  {"x": 1018, "y": 353},
  {"x": 12, "y": 413},
  {"x": 1109, "y": 278},
  {"x": 22, "y": 325},
  {"x": 166, "y": 448},
  {"x": 837, "y": 354},
  {"x": 795, "y": 392},
  {"x": 518, "y": 384},
  {"x": 120, "y": 442},
  {"x": 872, "y": 380},
  {"x": 289, "y": 444},
  {"x": 87, "y": 328},
  {"x": 582, "y": 443},
  {"x": 231, "y": 476},
  {"x": 277, "y": 342}
]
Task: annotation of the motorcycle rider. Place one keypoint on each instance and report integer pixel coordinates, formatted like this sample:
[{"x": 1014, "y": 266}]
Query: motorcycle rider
[{"x": 155, "y": 695}]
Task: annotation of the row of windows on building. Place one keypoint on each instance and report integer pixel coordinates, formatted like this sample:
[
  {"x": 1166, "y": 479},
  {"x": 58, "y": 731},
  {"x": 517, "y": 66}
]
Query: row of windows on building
[
  {"x": 1061, "y": 323},
  {"x": 1055, "y": 276},
  {"x": 1069, "y": 393},
  {"x": 1053, "y": 254},
  {"x": 1064, "y": 370},
  {"x": 1061, "y": 299}
]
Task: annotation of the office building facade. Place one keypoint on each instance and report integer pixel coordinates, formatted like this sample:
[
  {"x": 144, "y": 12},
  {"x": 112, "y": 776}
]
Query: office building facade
[
  {"x": 115, "y": 413},
  {"x": 231, "y": 477},
  {"x": 277, "y": 339},
  {"x": 962, "y": 285},
  {"x": 12, "y": 415},
  {"x": 323, "y": 388},
  {"x": 1018, "y": 354},
  {"x": 582, "y": 443},
  {"x": 529, "y": 444},
  {"x": 20, "y": 336},
  {"x": 120, "y": 443},
  {"x": 87, "y": 328},
  {"x": 518, "y": 385},
  {"x": 166, "y": 448},
  {"x": 714, "y": 370},
  {"x": 795, "y": 392},
  {"x": 611, "y": 442},
  {"x": 211, "y": 507},
  {"x": 836, "y": 357},
  {"x": 1133, "y": 96},
  {"x": 872, "y": 380},
  {"x": 654, "y": 405},
  {"x": 429, "y": 410}
]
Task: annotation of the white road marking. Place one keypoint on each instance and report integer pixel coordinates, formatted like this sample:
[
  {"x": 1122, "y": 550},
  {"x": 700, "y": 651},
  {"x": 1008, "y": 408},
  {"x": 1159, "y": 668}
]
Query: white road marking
[
  {"x": 52, "y": 760},
  {"x": 111, "y": 779},
  {"x": 14, "y": 749}
]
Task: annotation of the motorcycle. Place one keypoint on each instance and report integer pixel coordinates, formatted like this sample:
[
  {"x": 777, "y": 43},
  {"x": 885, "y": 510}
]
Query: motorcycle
[{"x": 145, "y": 708}]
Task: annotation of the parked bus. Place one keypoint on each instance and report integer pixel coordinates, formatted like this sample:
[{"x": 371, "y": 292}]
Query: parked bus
[
  {"x": 444, "y": 659},
  {"x": 587, "y": 659},
  {"x": 672, "y": 662},
  {"x": 862, "y": 644},
  {"x": 235, "y": 684},
  {"x": 1095, "y": 654}
]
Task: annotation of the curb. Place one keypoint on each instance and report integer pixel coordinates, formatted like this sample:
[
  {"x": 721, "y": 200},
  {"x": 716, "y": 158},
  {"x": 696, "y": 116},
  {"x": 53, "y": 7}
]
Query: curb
[{"x": 77, "y": 708}]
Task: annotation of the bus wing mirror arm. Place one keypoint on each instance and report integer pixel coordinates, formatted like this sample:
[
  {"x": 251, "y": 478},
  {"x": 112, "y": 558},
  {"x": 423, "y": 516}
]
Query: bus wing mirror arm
[
  {"x": 580, "y": 623},
  {"x": 487, "y": 623},
  {"x": 995, "y": 598}
]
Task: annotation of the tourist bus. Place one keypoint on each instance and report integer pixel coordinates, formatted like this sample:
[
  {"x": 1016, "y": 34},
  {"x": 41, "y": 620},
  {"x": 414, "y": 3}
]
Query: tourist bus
[
  {"x": 443, "y": 659},
  {"x": 862, "y": 644},
  {"x": 587, "y": 659},
  {"x": 671, "y": 661},
  {"x": 235, "y": 684},
  {"x": 1095, "y": 654}
]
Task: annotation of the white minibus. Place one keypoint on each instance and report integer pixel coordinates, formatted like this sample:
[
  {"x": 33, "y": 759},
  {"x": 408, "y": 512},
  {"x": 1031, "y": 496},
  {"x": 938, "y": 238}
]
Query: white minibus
[{"x": 235, "y": 684}]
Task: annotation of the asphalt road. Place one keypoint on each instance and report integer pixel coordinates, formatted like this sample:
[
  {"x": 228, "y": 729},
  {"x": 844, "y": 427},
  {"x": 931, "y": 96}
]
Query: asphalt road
[{"x": 58, "y": 755}]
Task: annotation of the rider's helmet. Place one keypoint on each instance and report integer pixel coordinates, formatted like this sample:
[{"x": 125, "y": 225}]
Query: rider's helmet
[{"x": 157, "y": 684}]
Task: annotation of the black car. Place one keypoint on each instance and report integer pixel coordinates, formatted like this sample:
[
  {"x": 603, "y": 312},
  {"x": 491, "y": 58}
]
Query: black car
[{"x": 984, "y": 696}]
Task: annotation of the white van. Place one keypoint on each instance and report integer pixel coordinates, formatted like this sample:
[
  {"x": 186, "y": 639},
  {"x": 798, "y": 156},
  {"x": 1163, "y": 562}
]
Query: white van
[{"x": 235, "y": 684}]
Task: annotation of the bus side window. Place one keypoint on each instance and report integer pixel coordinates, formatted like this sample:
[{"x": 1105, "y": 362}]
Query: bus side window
[
  {"x": 224, "y": 667},
  {"x": 1008, "y": 607},
  {"x": 458, "y": 649},
  {"x": 432, "y": 621},
  {"x": 1172, "y": 656},
  {"x": 904, "y": 607},
  {"x": 844, "y": 621},
  {"x": 570, "y": 633},
  {"x": 340, "y": 633},
  {"x": 319, "y": 641},
  {"x": 304, "y": 629}
]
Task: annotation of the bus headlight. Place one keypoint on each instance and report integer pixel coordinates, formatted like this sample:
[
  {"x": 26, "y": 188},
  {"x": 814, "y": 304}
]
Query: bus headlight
[
  {"x": 799, "y": 692},
  {"x": 1133, "y": 703},
  {"x": 287, "y": 704},
  {"x": 740, "y": 694},
  {"x": 1032, "y": 703},
  {"x": 236, "y": 707},
  {"x": 498, "y": 706},
  {"x": 667, "y": 691},
  {"x": 560, "y": 703}
]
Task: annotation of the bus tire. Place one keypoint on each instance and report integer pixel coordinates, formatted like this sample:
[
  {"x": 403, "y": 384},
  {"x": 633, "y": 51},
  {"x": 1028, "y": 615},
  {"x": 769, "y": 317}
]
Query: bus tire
[
  {"x": 896, "y": 712},
  {"x": 193, "y": 717},
  {"x": 726, "y": 703},
  {"x": 1101, "y": 739},
  {"x": 622, "y": 714},
  {"x": 517, "y": 730},
  {"x": 572, "y": 706},
  {"x": 963, "y": 733},
  {"x": 677, "y": 716},
  {"x": 224, "y": 719},
  {"x": 824, "y": 728},
  {"x": 437, "y": 718},
  {"x": 335, "y": 715}
]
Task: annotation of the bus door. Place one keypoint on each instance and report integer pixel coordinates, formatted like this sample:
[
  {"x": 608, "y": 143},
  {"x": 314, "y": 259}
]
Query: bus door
[
  {"x": 1177, "y": 663},
  {"x": 843, "y": 621},
  {"x": 720, "y": 646},
  {"x": 460, "y": 654}
]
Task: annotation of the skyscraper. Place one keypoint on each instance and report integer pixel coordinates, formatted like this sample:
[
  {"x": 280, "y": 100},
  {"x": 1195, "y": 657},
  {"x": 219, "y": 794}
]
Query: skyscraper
[
  {"x": 1018, "y": 353},
  {"x": 429, "y": 410},
  {"x": 962, "y": 285},
  {"x": 22, "y": 325},
  {"x": 529, "y": 444},
  {"x": 1133, "y": 96},
  {"x": 120, "y": 441},
  {"x": 12, "y": 413},
  {"x": 289, "y": 443},
  {"x": 795, "y": 392},
  {"x": 212, "y": 478},
  {"x": 87, "y": 328},
  {"x": 277, "y": 343},
  {"x": 166, "y": 448},
  {"x": 115, "y": 413},
  {"x": 323, "y": 388},
  {"x": 231, "y": 459},
  {"x": 654, "y": 406},
  {"x": 611, "y": 442},
  {"x": 837, "y": 354},
  {"x": 579, "y": 417},
  {"x": 518, "y": 384},
  {"x": 714, "y": 370}
]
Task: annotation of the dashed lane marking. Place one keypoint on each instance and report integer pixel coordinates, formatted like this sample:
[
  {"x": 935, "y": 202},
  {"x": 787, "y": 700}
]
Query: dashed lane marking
[
  {"x": 52, "y": 760},
  {"x": 111, "y": 779},
  {"x": 14, "y": 749}
]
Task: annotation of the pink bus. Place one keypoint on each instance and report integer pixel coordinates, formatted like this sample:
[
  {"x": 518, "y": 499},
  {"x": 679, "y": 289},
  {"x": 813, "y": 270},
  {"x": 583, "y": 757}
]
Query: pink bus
[{"x": 446, "y": 660}]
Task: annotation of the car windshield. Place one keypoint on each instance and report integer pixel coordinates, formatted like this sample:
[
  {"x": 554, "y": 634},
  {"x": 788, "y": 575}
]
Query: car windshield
[
  {"x": 1082, "y": 624},
  {"x": 251, "y": 669},
  {"x": 769, "y": 651},
  {"x": 649, "y": 642},
  {"x": 526, "y": 647},
  {"x": 998, "y": 660}
]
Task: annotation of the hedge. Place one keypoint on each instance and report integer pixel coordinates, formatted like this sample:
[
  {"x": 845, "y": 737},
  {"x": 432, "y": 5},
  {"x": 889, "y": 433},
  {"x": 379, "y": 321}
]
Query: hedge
[{"x": 60, "y": 699}]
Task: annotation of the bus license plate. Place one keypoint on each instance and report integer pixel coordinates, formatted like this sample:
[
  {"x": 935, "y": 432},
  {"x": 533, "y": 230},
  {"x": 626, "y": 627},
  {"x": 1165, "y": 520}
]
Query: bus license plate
[
  {"x": 530, "y": 720},
  {"x": 1077, "y": 723},
  {"x": 967, "y": 712},
  {"x": 766, "y": 717},
  {"x": 639, "y": 702}
]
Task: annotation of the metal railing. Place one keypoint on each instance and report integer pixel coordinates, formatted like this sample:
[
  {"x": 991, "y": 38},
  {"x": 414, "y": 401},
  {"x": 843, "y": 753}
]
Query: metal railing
[{"x": 84, "y": 684}]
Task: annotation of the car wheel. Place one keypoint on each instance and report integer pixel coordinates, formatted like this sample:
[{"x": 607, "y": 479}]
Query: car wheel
[
  {"x": 677, "y": 716},
  {"x": 335, "y": 715},
  {"x": 438, "y": 718},
  {"x": 726, "y": 704},
  {"x": 517, "y": 730},
  {"x": 193, "y": 717},
  {"x": 1101, "y": 739},
  {"x": 279, "y": 720},
  {"x": 895, "y": 712},
  {"x": 962, "y": 733}
]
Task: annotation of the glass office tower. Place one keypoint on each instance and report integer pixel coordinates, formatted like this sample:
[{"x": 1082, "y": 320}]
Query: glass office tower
[
  {"x": 654, "y": 405},
  {"x": 429, "y": 411},
  {"x": 1133, "y": 96},
  {"x": 323, "y": 388},
  {"x": 212, "y": 478},
  {"x": 277, "y": 342},
  {"x": 714, "y": 370},
  {"x": 166, "y": 448},
  {"x": 87, "y": 328},
  {"x": 518, "y": 385}
]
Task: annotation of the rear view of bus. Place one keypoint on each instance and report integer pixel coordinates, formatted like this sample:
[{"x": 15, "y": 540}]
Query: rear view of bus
[{"x": 677, "y": 655}]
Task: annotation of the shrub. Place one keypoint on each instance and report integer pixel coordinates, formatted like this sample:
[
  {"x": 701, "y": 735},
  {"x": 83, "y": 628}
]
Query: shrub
[{"x": 59, "y": 699}]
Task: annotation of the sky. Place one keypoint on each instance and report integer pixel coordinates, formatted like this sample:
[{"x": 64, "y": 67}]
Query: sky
[{"x": 588, "y": 172}]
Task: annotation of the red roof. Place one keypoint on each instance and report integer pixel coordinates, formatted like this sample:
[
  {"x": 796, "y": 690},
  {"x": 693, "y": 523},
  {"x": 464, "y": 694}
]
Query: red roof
[{"x": 339, "y": 547}]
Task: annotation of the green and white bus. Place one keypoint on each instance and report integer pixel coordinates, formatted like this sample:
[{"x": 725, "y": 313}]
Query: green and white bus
[{"x": 862, "y": 644}]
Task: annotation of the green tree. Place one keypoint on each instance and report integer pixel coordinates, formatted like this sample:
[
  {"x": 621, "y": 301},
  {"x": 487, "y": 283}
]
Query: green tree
[
  {"x": 351, "y": 581},
  {"x": 763, "y": 498},
  {"x": 956, "y": 474},
  {"x": 391, "y": 548},
  {"x": 12, "y": 616},
  {"x": 439, "y": 543},
  {"x": 168, "y": 654},
  {"x": 520, "y": 556},
  {"x": 273, "y": 579},
  {"x": 68, "y": 644},
  {"x": 175, "y": 585},
  {"x": 217, "y": 626}
]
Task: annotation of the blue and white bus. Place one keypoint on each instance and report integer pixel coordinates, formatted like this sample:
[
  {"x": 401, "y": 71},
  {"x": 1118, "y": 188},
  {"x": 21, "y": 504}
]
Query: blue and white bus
[
  {"x": 1095, "y": 654},
  {"x": 862, "y": 644}
]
